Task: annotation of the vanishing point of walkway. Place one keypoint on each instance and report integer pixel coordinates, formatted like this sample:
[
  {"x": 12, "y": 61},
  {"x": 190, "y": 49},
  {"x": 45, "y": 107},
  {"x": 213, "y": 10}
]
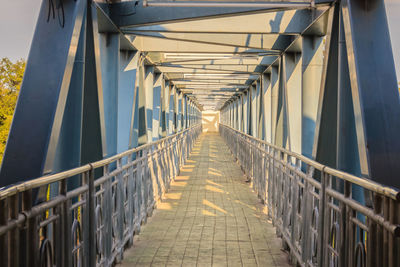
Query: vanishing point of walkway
[{"x": 209, "y": 217}]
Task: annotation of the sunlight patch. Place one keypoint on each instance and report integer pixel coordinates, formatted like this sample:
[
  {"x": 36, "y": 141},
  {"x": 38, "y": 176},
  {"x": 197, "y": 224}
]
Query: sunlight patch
[
  {"x": 213, "y": 206},
  {"x": 214, "y": 189},
  {"x": 206, "y": 212},
  {"x": 164, "y": 206},
  {"x": 173, "y": 195},
  {"x": 213, "y": 183}
]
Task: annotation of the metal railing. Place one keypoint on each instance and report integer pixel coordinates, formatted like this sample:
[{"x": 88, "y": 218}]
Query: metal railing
[
  {"x": 89, "y": 224},
  {"x": 313, "y": 209}
]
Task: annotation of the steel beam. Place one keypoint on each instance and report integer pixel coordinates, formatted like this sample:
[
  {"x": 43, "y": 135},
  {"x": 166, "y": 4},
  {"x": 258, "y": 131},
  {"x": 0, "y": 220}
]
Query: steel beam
[
  {"x": 68, "y": 152},
  {"x": 213, "y": 59},
  {"x": 266, "y": 107},
  {"x": 127, "y": 94},
  {"x": 109, "y": 57},
  {"x": 164, "y": 107},
  {"x": 132, "y": 14},
  {"x": 268, "y": 42},
  {"x": 274, "y": 101},
  {"x": 41, "y": 102},
  {"x": 376, "y": 100},
  {"x": 142, "y": 104},
  {"x": 293, "y": 93},
  {"x": 94, "y": 146},
  {"x": 325, "y": 138},
  {"x": 312, "y": 64},
  {"x": 286, "y": 22},
  {"x": 253, "y": 109},
  {"x": 149, "y": 95},
  {"x": 158, "y": 79}
]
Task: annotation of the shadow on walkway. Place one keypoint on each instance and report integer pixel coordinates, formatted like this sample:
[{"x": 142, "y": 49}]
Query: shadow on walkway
[{"x": 209, "y": 217}]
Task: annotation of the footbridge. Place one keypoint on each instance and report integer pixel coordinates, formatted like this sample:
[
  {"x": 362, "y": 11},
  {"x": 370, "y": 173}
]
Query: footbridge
[{"x": 205, "y": 133}]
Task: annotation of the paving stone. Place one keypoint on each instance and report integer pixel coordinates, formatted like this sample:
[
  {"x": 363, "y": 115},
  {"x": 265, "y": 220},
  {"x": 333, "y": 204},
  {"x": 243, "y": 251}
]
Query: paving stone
[{"x": 209, "y": 217}]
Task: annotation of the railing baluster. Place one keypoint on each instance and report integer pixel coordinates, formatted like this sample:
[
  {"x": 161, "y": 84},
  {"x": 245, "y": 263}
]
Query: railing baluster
[
  {"x": 14, "y": 233},
  {"x": 292, "y": 197},
  {"x": 120, "y": 210},
  {"x": 131, "y": 201},
  {"x": 394, "y": 242},
  {"x": 29, "y": 234},
  {"x": 92, "y": 224},
  {"x": 95, "y": 240},
  {"x": 107, "y": 216},
  {"x": 324, "y": 223},
  {"x": 4, "y": 237},
  {"x": 66, "y": 226}
]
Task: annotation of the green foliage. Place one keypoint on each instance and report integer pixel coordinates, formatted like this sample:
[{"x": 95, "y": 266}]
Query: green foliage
[{"x": 11, "y": 75}]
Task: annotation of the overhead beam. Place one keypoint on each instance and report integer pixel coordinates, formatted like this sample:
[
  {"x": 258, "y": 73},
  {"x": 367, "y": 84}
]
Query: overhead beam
[
  {"x": 181, "y": 69},
  {"x": 256, "y": 41},
  {"x": 235, "y": 59},
  {"x": 282, "y": 22},
  {"x": 153, "y": 44},
  {"x": 230, "y": 68},
  {"x": 207, "y": 83},
  {"x": 238, "y": 79},
  {"x": 132, "y": 13}
]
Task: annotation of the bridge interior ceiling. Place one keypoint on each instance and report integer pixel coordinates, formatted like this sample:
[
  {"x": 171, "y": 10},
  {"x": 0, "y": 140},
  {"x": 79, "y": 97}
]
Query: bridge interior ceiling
[
  {"x": 315, "y": 77},
  {"x": 214, "y": 59}
]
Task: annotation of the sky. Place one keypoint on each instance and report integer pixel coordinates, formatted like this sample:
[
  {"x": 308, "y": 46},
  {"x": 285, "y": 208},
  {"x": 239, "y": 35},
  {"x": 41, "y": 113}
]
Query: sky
[{"x": 18, "y": 20}]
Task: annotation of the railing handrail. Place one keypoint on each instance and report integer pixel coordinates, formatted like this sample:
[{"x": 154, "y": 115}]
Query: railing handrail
[
  {"x": 47, "y": 179},
  {"x": 364, "y": 182}
]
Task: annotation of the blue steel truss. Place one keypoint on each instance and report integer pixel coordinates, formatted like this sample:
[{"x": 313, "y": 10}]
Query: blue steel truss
[
  {"x": 314, "y": 78},
  {"x": 325, "y": 87}
]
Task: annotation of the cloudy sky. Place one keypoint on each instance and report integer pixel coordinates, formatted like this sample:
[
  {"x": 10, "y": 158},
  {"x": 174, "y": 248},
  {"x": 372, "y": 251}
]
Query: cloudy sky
[{"x": 18, "y": 19}]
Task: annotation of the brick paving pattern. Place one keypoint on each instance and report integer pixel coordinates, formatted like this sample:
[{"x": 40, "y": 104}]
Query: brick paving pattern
[{"x": 209, "y": 217}]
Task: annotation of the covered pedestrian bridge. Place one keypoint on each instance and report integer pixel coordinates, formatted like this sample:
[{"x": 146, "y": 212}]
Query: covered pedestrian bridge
[{"x": 205, "y": 133}]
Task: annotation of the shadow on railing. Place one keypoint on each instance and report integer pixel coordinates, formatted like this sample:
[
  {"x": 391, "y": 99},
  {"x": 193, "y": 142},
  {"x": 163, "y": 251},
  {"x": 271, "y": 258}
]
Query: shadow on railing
[
  {"x": 313, "y": 209},
  {"x": 92, "y": 223}
]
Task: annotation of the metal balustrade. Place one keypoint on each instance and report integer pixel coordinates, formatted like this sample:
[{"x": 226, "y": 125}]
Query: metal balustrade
[
  {"x": 312, "y": 207},
  {"x": 92, "y": 223}
]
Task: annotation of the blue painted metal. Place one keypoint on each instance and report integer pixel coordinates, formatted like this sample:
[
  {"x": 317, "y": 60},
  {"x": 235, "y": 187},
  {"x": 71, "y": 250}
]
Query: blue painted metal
[
  {"x": 126, "y": 98},
  {"x": 130, "y": 13},
  {"x": 325, "y": 132},
  {"x": 293, "y": 93},
  {"x": 347, "y": 158},
  {"x": 43, "y": 96},
  {"x": 148, "y": 90},
  {"x": 93, "y": 131},
  {"x": 171, "y": 113},
  {"x": 312, "y": 64},
  {"x": 164, "y": 107},
  {"x": 376, "y": 101},
  {"x": 68, "y": 152},
  {"x": 157, "y": 106},
  {"x": 281, "y": 130},
  {"x": 142, "y": 123},
  {"x": 109, "y": 57}
]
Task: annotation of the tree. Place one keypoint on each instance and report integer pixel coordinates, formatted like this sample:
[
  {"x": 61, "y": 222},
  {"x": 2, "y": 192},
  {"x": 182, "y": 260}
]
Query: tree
[{"x": 11, "y": 75}]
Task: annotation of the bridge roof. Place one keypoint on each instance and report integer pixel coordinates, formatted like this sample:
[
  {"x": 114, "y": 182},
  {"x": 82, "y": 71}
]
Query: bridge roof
[{"x": 213, "y": 50}]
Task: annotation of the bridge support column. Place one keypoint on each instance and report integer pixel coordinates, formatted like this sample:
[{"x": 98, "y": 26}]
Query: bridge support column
[
  {"x": 157, "y": 100},
  {"x": 312, "y": 62},
  {"x": 282, "y": 128},
  {"x": 293, "y": 99},
  {"x": 43, "y": 94}
]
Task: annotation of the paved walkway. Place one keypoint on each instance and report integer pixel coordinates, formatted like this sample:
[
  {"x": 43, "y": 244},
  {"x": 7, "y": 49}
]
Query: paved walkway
[{"x": 209, "y": 217}]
